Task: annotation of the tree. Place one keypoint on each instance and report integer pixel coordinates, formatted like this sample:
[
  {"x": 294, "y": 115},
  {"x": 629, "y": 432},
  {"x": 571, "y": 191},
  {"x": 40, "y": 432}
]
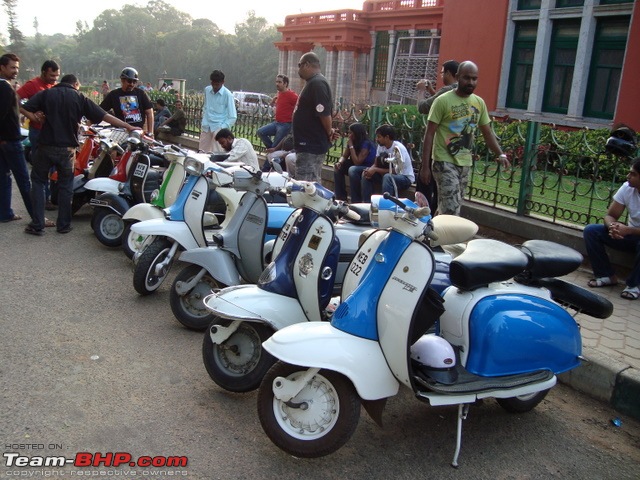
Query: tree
[{"x": 15, "y": 35}]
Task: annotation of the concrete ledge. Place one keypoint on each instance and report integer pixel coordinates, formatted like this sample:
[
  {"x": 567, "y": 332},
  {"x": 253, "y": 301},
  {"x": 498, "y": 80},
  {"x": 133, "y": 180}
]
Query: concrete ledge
[{"x": 626, "y": 393}]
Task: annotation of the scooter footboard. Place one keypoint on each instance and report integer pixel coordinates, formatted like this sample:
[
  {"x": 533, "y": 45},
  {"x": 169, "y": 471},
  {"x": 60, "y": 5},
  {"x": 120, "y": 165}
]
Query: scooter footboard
[{"x": 319, "y": 345}]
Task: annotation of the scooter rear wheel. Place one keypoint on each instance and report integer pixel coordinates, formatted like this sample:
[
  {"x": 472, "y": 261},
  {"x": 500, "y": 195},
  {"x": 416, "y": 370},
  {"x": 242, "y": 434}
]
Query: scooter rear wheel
[
  {"x": 522, "y": 403},
  {"x": 189, "y": 309},
  {"x": 145, "y": 279},
  {"x": 317, "y": 421},
  {"x": 240, "y": 363},
  {"x": 108, "y": 227}
]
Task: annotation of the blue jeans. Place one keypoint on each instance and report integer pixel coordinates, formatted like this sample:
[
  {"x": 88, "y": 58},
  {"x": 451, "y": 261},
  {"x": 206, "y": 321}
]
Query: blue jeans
[
  {"x": 12, "y": 161},
  {"x": 277, "y": 130},
  {"x": 34, "y": 136},
  {"x": 46, "y": 157},
  {"x": 596, "y": 237},
  {"x": 366, "y": 187},
  {"x": 401, "y": 181}
]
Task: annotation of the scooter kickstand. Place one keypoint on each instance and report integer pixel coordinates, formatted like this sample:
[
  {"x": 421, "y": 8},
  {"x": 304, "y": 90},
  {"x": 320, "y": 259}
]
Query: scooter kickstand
[{"x": 463, "y": 411}]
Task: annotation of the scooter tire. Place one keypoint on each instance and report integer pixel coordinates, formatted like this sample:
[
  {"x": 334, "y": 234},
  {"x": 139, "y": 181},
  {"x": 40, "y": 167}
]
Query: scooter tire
[
  {"x": 108, "y": 227},
  {"x": 144, "y": 279},
  {"x": 189, "y": 309},
  {"x": 523, "y": 403},
  {"x": 240, "y": 363},
  {"x": 131, "y": 241},
  {"x": 317, "y": 421}
]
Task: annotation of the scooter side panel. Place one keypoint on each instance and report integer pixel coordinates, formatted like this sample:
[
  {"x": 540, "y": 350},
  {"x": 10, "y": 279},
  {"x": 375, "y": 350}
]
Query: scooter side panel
[
  {"x": 218, "y": 263},
  {"x": 113, "y": 201},
  {"x": 319, "y": 345},
  {"x": 248, "y": 302},
  {"x": 161, "y": 227},
  {"x": 511, "y": 334}
]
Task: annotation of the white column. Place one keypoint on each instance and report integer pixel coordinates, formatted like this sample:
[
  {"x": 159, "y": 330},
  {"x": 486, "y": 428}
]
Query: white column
[
  {"x": 541, "y": 59},
  {"x": 583, "y": 61},
  {"x": 372, "y": 57},
  {"x": 390, "y": 56},
  {"x": 345, "y": 77}
]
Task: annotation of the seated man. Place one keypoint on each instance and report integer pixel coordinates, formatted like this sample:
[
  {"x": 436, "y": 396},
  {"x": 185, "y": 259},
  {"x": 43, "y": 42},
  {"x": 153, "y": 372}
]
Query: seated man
[
  {"x": 240, "y": 149},
  {"x": 278, "y": 153},
  {"x": 617, "y": 236},
  {"x": 161, "y": 114},
  {"x": 387, "y": 145},
  {"x": 176, "y": 123}
]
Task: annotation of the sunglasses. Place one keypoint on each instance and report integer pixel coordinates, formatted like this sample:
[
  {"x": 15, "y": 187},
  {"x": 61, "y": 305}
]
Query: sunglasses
[{"x": 128, "y": 80}]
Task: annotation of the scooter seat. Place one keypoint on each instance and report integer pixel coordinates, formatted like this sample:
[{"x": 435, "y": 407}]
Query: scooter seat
[
  {"x": 486, "y": 261},
  {"x": 549, "y": 259}
]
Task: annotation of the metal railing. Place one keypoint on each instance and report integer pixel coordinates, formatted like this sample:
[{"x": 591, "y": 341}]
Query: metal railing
[{"x": 558, "y": 175}]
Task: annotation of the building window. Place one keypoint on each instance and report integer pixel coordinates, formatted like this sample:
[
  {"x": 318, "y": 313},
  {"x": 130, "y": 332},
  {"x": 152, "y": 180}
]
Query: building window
[
  {"x": 524, "y": 47},
  {"x": 612, "y": 2},
  {"x": 529, "y": 4},
  {"x": 562, "y": 59},
  {"x": 381, "y": 60},
  {"x": 606, "y": 67},
  {"x": 569, "y": 3}
]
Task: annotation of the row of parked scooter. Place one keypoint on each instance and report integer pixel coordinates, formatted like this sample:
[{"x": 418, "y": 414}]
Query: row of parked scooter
[{"x": 325, "y": 307}]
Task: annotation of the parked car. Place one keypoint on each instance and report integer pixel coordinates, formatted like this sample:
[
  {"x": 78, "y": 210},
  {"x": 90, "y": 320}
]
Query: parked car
[{"x": 251, "y": 102}]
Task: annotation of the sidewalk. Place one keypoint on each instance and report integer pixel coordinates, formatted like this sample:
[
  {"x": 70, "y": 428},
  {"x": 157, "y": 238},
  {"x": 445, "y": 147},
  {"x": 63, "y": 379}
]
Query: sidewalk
[{"x": 612, "y": 347}]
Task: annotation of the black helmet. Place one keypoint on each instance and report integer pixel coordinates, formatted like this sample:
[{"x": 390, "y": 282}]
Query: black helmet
[
  {"x": 622, "y": 142},
  {"x": 130, "y": 73}
]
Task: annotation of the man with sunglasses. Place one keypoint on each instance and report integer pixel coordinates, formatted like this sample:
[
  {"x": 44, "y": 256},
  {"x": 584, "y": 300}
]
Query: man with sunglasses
[{"x": 130, "y": 103}]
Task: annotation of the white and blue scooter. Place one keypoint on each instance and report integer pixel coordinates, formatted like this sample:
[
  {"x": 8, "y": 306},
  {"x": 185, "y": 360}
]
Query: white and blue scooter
[
  {"x": 308, "y": 263},
  {"x": 182, "y": 227},
  {"x": 497, "y": 338}
]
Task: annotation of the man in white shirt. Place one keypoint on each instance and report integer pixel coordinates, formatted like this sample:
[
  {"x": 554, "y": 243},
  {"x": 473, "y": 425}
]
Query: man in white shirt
[
  {"x": 402, "y": 177},
  {"x": 240, "y": 149}
]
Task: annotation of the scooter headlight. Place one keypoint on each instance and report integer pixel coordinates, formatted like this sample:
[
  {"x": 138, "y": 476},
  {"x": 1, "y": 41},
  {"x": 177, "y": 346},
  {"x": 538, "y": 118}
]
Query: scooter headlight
[
  {"x": 193, "y": 166},
  {"x": 268, "y": 275}
]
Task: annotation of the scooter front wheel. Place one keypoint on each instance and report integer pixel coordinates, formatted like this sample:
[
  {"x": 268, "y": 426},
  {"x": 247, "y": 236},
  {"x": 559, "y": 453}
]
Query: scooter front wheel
[
  {"x": 240, "y": 363},
  {"x": 522, "y": 403},
  {"x": 189, "y": 308},
  {"x": 131, "y": 241},
  {"x": 108, "y": 227},
  {"x": 145, "y": 278},
  {"x": 318, "y": 420}
]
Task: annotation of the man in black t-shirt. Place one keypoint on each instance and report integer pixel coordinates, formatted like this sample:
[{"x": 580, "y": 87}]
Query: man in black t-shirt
[
  {"x": 130, "y": 103},
  {"x": 312, "y": 131},
  {"x": 63, "y": 106}
]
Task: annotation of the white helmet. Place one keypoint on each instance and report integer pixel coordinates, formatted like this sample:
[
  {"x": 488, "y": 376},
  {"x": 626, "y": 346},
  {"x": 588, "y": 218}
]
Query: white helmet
[{"x": 436, "y": 358}]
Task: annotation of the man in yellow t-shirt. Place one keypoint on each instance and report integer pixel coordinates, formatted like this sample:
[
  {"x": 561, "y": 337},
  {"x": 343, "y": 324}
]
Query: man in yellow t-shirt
[{"x": 448, "y": 140}]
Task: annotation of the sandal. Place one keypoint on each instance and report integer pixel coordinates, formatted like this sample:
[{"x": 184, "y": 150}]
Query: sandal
[
  {"x": 15, "y": 217},
  {"x": 32, "y": 231},
  {"x": 602, "y": 282},
  {"x": 49, "y": 223},
  {"x": 631, "y": 293}
]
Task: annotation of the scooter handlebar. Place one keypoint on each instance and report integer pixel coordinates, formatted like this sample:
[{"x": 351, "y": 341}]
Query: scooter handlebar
[{"x": 416, "y": 212}]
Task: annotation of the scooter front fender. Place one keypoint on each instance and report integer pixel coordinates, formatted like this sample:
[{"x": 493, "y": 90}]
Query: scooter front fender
[
  {"x": 143, "y": 211},
  {"x": 103, "y": 184},
  {"x": 113, "y": 201},
  {"x": 252, "y": 304},
  {"x": 161, "y": 227},
  {"x": 219, "y": 263},
  {"x": 319, "y": 345}
]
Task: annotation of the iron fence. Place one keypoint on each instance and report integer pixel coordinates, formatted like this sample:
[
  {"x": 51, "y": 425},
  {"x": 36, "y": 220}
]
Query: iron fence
[{"x": 558, "y": 175}]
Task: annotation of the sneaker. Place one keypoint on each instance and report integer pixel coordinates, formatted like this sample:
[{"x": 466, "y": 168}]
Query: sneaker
[
  {"x": 32, "y": 231},
  {"x": 65, "y": 229}
]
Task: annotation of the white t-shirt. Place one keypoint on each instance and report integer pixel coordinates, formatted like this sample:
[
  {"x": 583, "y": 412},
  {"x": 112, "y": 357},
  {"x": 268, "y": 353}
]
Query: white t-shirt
[
  {"x": 407, "y": 167},
  {"x": 630, "y": 198},
  {"x": 242, "y": 151}
]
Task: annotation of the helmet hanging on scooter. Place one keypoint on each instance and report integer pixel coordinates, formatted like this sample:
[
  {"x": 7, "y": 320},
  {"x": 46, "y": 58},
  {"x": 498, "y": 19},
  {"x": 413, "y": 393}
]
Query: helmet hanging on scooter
[{"x": 622, "y": 142}]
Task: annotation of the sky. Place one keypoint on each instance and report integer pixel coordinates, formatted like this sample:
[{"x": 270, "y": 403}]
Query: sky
[{"x": 55, "y": 17}]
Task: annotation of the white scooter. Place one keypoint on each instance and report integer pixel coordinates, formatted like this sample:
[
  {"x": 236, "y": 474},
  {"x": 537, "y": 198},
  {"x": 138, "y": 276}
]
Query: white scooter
[
  {"x": 184, "y": 223},
  {"x": 498, "y": 337},
  {"x": 296, "y": 287},
  {"x": 236, "y": 255}
]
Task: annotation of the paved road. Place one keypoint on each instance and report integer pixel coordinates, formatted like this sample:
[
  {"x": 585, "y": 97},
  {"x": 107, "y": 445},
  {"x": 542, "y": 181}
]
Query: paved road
[{"x": 87, "y": 365}]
